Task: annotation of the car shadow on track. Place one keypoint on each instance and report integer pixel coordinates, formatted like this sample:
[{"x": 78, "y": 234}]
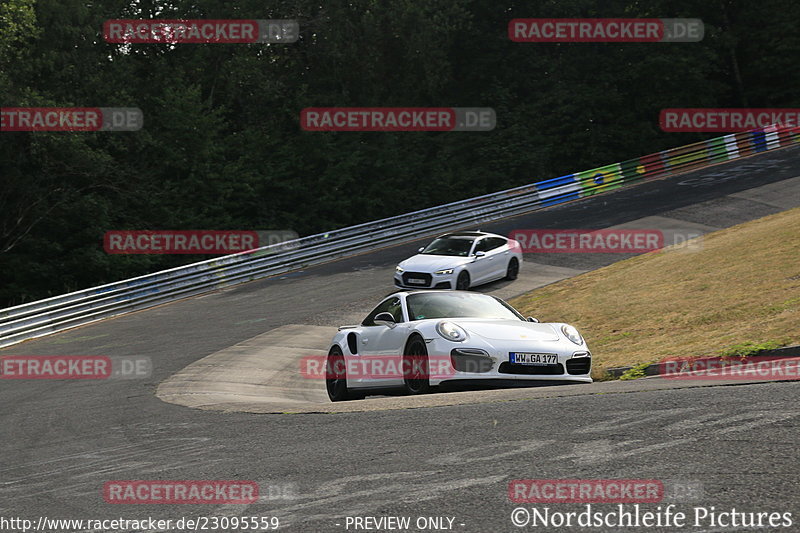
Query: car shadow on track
[{"x": 475, "y": 385}]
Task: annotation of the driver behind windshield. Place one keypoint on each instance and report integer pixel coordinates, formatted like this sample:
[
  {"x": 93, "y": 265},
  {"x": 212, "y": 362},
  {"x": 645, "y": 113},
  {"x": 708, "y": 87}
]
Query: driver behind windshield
[
  {"x": 449, "y": 246},
  {"x": 452, "y": 305}
]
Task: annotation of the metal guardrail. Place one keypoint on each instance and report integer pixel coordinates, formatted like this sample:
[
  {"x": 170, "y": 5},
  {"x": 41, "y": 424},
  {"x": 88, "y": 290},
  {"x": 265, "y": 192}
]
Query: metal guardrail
[{"x": 43, "y": 317}]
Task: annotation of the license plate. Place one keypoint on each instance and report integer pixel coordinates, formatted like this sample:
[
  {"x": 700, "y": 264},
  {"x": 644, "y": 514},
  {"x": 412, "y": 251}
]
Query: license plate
[
  {"x": 415, "y": 281},
  {"x": 533, "y": 358}
]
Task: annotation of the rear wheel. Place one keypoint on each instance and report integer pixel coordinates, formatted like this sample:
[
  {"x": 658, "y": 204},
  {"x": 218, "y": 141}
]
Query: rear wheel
[
  {"x": 462, "y": 283},
  {"x": 415, "y": 367},
  {"x": 336, "y": 377},
  {"x": 513, "y": 269}
]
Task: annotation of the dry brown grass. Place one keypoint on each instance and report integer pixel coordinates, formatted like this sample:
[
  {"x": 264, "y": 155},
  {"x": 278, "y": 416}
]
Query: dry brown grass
[{"x": 740, "y": 285}]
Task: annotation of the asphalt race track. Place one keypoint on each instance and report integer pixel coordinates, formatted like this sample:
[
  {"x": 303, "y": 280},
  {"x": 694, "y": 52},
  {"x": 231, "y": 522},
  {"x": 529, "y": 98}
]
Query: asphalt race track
[{"x": 720, "y": 446}]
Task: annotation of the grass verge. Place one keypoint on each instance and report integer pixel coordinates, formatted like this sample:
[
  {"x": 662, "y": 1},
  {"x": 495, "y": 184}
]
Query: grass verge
[{"x": 732, "y": 291}]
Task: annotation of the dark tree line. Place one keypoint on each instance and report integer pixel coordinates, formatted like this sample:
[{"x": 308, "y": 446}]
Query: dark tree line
[{"x": 222, "y": 147}]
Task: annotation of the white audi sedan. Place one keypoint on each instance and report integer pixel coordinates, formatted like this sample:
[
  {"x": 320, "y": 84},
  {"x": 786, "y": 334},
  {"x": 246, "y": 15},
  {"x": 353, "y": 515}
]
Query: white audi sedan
[
  {"x": 417, "y": 339},
  {"x": 459, "y": 261}
]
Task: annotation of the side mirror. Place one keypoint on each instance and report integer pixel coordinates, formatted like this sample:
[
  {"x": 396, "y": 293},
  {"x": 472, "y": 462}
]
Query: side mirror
[
  {"x": 480, "y": 254},
  {"x": 531, "y": 319},
  {"x": 384, "y": 319},
  {"x": 421, "y": 248}
]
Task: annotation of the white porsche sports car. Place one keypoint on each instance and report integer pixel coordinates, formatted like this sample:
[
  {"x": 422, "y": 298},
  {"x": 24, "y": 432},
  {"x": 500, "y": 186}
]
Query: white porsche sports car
[
  {"x": 459, "y": 261},
  {"x": 418, "y": 339}
]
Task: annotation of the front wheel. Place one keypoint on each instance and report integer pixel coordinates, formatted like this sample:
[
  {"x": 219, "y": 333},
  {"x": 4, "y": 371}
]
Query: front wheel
[
  {"x": 513, "y": 269},
  {"x": 336, "y": 377},
  {"x": 462, "y": 283},
  {"x": 416, "y": 371}
]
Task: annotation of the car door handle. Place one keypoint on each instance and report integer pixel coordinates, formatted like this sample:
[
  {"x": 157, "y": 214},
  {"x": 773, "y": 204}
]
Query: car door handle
[{"x": 364, "y": 340}]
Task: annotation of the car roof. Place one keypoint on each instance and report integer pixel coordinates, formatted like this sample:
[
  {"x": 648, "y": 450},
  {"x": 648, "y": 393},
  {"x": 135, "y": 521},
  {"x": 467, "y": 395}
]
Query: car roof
[
  {"x": 470, "y": 234},
  {"x": 409, "y": 292},
  {"x": 465, "y": 234}
]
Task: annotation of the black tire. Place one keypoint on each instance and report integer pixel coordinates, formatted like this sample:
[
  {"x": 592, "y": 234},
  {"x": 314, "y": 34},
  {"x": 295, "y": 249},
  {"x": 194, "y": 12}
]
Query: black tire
[
  {"x": 513, "y": 269},
  {"x": 462, "y": 283},
  {"x": 336, "y": 377},
  {"x": 415, "y": 360}
]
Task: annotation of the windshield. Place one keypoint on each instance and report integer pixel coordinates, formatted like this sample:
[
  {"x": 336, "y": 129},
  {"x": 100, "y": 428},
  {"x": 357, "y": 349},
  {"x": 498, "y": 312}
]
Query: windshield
[
  {"x": 458, "y": 305},
  {"x": 449, "y": 246}
]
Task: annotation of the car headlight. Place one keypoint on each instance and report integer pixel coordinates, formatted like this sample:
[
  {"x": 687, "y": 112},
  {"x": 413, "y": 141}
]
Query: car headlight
[
  {"x": 572, "y": 334},
  {"x": 444, "y": 271},
  {"x": 450, "y": 331},
  {"x": 398, "y": 269}
]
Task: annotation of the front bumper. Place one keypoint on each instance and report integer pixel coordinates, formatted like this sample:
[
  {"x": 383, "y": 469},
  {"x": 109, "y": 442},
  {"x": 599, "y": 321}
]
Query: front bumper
[
  {"x": 469, "y": 363},
  {"x": 431, "y": 281}
]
